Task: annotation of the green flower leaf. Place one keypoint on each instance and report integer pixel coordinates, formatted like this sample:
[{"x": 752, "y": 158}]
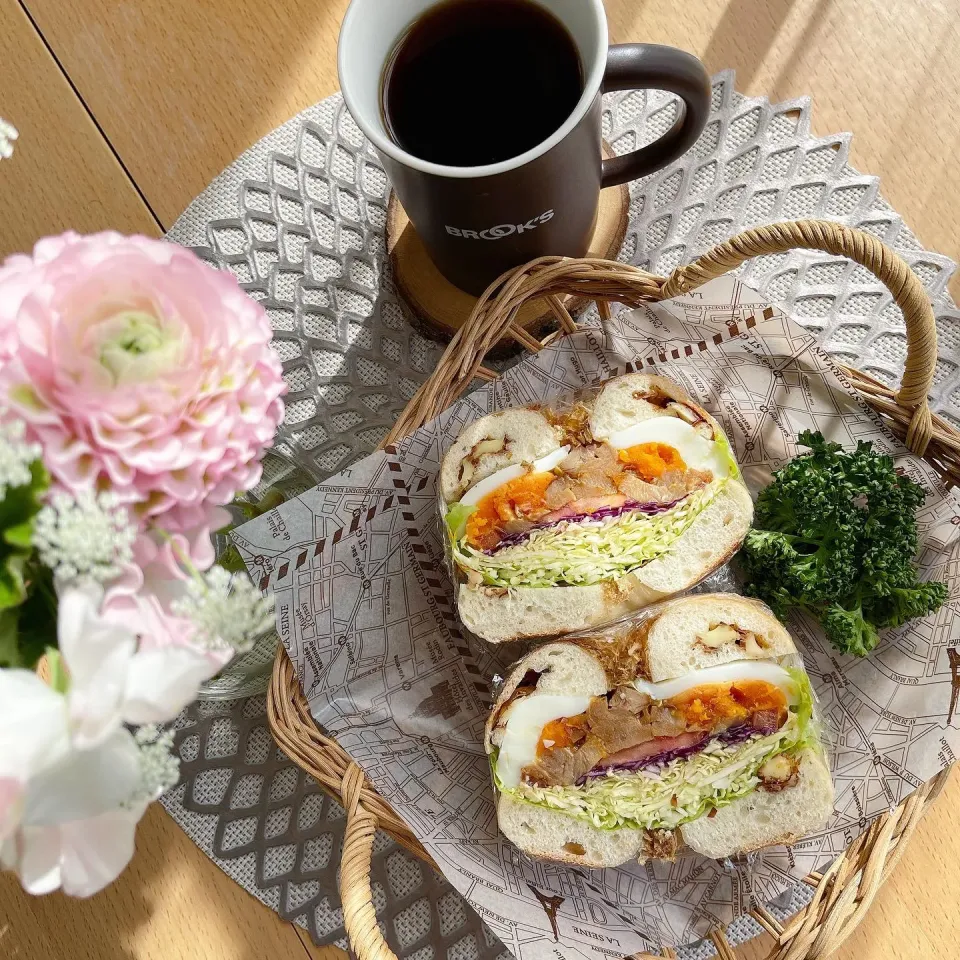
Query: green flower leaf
[
  {"x": 28, "y": 604},
  {"x": 18, "y": 509},
  {"x": 27, "y": 631},
  {"x": 37, "y": 619},
  {"x": 19, "y": 535},
  {"x": 59, "y": 678},
  {"x": 9, "y": 651},
  {"x": 231, "y": 560},
  {"x": 13, "y": 590}
]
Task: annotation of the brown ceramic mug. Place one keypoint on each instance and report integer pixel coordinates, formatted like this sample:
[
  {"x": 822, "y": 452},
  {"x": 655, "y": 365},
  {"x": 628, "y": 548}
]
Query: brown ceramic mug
[{"x": 477, "y": 222}]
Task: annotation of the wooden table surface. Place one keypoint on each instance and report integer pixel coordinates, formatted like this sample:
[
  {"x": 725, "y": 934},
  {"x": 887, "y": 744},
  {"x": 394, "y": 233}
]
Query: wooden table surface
[{"x": 128, "y": 108}]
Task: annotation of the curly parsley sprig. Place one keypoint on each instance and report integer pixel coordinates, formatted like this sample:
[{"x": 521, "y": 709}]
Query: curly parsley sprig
[{"x": 835, "y": 534}]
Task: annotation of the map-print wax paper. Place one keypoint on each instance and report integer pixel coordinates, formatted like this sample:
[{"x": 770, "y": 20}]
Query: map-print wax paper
[{"x": 365, "y": 609}]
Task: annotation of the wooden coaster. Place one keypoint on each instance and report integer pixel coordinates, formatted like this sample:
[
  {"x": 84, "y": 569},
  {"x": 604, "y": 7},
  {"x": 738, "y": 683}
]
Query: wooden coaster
[{"x": 439, "y": 308}]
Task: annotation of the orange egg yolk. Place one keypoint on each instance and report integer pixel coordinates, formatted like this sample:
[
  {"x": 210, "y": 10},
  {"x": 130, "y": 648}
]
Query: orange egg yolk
[
  {"x": 652, "y": 460},
  {"x": 521, "y": 497},
  {"x": 727, "y": 704},
  {"x": 561, "y": 733}
]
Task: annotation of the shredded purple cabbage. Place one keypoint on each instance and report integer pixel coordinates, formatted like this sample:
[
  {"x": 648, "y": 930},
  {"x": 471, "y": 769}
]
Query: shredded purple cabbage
[
  {"x": 657, "y": 760},
  {"x": 737, "y": 734},
  {"x": 650, "y": 509},
  {"x": 743, "y": 731}
]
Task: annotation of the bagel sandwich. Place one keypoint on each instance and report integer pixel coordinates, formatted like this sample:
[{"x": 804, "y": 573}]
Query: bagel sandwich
[
  {"x": 559, "y": 521},
  {"x": 693, "y": 728}
]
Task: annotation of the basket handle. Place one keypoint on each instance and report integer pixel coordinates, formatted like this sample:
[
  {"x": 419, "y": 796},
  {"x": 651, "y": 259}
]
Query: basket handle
[
  {"x": 863, "y": 248},
  {"x": 356, "y": 895},
  {"x": 551, "y": 277}
]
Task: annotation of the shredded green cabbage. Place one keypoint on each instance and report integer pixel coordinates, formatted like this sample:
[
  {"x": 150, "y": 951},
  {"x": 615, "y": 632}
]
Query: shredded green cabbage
[
  {"x": 683, "y": 789},
  {"x": 582, "y": 552},
  {"x": 669, "y": 796}
]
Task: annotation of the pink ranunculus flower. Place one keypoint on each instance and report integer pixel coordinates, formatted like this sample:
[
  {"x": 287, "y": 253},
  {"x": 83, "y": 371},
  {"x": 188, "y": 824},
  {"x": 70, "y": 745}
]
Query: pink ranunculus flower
[
  {"x": 142, "y": 369},
  {"x": 14, "y": 286}
]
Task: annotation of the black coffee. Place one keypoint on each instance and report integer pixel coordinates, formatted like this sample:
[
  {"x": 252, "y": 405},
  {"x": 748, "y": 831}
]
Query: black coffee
[{"x": 474, "y": 82}]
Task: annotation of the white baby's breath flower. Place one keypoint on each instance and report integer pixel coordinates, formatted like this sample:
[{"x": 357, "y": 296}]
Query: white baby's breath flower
[
  {"x": 8, "y": 133},
  {"x": 159, "y": 765},
  {"x": 88, "y": 536},
  {"x": 227, "y": 610},
  {"x": 15, "y": 456}
]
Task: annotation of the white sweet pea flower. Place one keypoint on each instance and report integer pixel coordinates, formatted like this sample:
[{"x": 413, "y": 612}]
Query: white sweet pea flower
[
  {"x": 33, "y": 732},
  {"x": 8, "y": 134},
  {"x": 78, "y": 816},
  {"x": 115, "y": 679},
  {"x": 74, "y": 781},
  {"x": 76, "y": 828},
  {"x": 81, "y": 857},
  {"x": 11, "y": 802},
  {"x": 67, "y": 814}
]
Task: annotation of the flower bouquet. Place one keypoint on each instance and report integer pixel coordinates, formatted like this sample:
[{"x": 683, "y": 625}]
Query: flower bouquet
[{"x": 138, "y": 393}]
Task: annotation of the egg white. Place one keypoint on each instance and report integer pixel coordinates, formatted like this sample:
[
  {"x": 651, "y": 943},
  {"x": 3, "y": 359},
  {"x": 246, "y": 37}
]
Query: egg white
[
  {"x": 724, "y": 673},
  {"x": 697, "y": 451},
  {"x": 477, "y": 492},
  {"x": 526, "y": 718}
]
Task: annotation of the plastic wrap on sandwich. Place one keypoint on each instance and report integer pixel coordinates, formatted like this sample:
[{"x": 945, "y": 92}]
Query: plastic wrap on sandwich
[
  {"x": 691, "y": 727},
  {"x": 563, "y": 517}
]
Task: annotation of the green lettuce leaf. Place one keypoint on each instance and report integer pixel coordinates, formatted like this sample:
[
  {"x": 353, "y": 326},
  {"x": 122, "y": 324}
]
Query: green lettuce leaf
[
  {"x": 727, "y": 453},
  {"x": 803, "y": 709},
  {"x": 456, "y": 519},
  {"x": 584, "y": 552},
  {"x": 676, "y": 793}
]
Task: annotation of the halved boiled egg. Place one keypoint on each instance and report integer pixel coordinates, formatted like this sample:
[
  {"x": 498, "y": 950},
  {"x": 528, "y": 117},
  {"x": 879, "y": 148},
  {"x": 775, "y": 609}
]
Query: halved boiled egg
[
  {"x": 696, "y": 451},
  {"x": 525, "y": 720},
  {"x": 546, "y": 463}
]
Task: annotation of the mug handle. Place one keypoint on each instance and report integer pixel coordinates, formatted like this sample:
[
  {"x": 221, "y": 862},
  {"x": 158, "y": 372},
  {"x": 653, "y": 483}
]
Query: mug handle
[{"x": 643, "y": 66}]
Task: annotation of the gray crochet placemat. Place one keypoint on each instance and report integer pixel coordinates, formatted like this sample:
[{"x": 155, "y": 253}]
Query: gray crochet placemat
[{"x": 299, "y": 218}]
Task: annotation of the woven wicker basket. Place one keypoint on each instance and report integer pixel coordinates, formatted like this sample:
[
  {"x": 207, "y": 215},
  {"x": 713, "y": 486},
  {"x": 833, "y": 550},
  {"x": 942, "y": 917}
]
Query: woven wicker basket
[{"x": 845, "y": 891}]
